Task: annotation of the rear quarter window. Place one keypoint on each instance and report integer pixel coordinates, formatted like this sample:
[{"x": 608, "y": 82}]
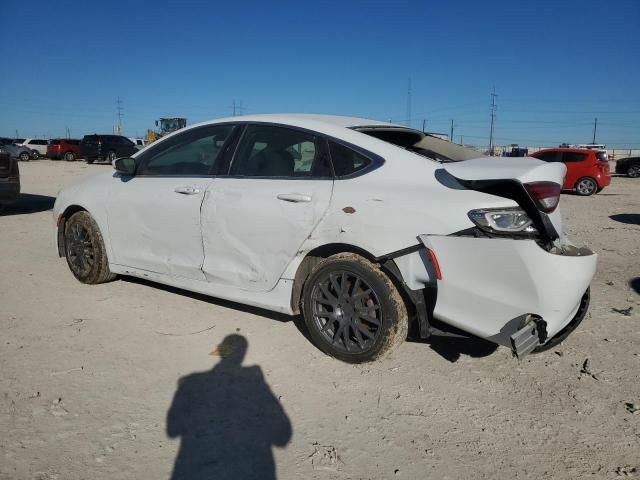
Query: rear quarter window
[
  {"x": 346, "y": 161},
  {"x": 572, "y": 157}
]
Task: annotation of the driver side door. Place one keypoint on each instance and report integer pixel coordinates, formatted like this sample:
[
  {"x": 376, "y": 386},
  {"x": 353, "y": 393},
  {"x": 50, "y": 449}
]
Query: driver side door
[{"x": 154, "y": 216}]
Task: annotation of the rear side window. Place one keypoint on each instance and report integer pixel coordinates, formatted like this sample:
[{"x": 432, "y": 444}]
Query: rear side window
[
  {"x": 571, "y": 157},
  {"x": 55, "y": 142},
  {"x": 549, "y": 156},
  {"x": 346, "y": 161},
  {"x": 267, "y": 151}
]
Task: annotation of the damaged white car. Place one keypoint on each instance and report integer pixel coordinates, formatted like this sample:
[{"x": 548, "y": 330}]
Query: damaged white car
[{"x": 370, "y": 230}]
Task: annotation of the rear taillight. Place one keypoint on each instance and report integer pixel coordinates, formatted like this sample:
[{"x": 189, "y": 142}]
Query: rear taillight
[{"x": 545, "y": 194}]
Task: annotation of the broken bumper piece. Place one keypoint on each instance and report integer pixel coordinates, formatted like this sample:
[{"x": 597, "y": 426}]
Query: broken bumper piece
[
  {"x": 529, "y": 337},
  {"x": 495, "y": 288}
]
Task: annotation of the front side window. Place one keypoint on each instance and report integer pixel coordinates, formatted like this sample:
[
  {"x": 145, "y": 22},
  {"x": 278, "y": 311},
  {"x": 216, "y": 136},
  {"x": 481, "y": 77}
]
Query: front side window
[
  {"x": 271, "y": 151},
  {"x": 193, "y": 153},
  {"x": 345, "y": 160}
]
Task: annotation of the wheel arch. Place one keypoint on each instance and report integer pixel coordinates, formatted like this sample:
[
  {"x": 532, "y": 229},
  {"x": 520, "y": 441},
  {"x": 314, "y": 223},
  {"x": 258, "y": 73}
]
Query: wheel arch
[
  {"x": 312, "y": 258},
  {"x": 61, "y": 222}
]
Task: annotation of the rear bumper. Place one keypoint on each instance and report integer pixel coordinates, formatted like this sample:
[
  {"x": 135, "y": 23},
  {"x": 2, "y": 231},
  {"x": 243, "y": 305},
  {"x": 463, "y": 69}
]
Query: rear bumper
[
  {"x": 493, "y": 288},
  {"x": 603, "y": 180},
  {"x": 9, "y": 190}
]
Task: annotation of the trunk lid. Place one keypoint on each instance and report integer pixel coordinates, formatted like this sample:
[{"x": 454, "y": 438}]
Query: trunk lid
[{"x": 522, "y": 169}]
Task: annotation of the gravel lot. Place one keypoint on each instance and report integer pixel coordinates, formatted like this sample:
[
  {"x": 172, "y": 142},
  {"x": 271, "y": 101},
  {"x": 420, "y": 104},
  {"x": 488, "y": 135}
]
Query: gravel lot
[{"x": 89, "y": 376}]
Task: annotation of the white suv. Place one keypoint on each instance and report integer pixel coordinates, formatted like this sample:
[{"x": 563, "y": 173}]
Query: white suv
[{"x": 37, "y": 146}]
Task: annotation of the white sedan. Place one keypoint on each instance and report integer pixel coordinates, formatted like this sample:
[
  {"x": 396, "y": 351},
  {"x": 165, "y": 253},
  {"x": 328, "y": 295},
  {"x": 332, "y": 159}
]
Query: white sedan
[{"x": 369, "y": 229}]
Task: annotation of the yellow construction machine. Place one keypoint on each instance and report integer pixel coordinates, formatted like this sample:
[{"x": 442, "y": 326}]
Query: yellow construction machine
[{"x": 167, "y": 125}]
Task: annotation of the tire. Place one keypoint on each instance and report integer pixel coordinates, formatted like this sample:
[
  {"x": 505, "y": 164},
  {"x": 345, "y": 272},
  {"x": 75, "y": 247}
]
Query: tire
[
  {"x": 35, "y": 154},
  {"x": 84, "y": 250},
  {"x": 24, "y": 156},
  {"x": 111, "y": 156},
  {"x": 571, "y": 326},
  {"x": 69, "y": 157},
  {"x": 90, "y": 160},
  {"x": 586, "y": 186},
  {"x": 334, "y": 300},
  {"x": 634, "y": 171}
]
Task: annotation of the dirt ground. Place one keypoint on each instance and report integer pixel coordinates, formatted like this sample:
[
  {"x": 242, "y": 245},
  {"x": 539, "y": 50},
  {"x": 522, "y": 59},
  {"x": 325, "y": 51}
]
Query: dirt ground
[{"x": 89, "y": 376}]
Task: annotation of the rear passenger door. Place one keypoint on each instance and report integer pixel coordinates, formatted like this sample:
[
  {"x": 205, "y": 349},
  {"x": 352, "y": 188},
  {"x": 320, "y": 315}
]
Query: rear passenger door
[
  {"x": 576, "y": 167},
  {"x": 256, "y": 218}
]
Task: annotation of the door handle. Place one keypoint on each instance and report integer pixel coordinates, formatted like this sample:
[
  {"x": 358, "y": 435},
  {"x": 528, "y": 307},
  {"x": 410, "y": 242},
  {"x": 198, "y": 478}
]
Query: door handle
[
  {"x": 188, "y": 190},
  {"x": 294, "y": 197}
]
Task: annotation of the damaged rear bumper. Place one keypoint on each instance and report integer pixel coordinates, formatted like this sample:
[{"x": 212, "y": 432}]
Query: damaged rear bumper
[{"x": 495, "y": 288}]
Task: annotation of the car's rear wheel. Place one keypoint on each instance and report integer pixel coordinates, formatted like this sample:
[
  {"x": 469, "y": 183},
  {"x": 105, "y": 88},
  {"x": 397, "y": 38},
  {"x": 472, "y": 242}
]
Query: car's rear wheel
[
  {"x": 69, "y": 156},
  {"x": 111, "y": 156},
  {"x": 634, "y": 171},
  {"x": 352, "y": 309},
  {"x": 85, "y": 251},
  {"x": 586, "y": 186},
  {"x": 24, "y": 156}
]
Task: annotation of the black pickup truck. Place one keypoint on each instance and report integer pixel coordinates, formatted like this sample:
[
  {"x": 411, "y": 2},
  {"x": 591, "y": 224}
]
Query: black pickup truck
[{"x": 9, "y": 178}]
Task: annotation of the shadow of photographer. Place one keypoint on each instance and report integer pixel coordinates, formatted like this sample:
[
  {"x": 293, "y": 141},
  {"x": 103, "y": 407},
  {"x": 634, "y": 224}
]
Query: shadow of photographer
[{"x": 227, "y": 419}]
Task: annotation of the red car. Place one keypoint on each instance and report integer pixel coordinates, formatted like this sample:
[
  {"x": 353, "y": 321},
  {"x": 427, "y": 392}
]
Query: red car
[
  {"x": 587, "y": 170},
  {"x": 67, "y": 148}
]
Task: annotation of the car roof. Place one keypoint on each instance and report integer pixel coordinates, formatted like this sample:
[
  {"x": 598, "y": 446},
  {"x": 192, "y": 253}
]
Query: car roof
[{"x": 306, "y": 120}]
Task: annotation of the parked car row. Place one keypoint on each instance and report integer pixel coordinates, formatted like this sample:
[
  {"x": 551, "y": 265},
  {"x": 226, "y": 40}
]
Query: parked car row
[{"x": 91, "y": 147}]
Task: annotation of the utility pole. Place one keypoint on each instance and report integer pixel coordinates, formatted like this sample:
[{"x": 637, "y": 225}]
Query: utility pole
[
  {"x": 460, "y": 139},
  {"x": 119, "y": 107},
  {"x": 68, "y": 132},
  {"x": 493, "y": 120},
  {"x": 409, "y": 102},
  {"x": 451, "y": 134},
  {"x": 17, "y": 136},
  {"x": 424, "y": 124},
  {"x": 595, "y": 129},
  {"x": 236, "y": 108}
]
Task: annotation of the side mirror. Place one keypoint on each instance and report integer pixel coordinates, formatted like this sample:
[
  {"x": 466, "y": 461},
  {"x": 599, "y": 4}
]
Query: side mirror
[{"x": 125, "y": 165}]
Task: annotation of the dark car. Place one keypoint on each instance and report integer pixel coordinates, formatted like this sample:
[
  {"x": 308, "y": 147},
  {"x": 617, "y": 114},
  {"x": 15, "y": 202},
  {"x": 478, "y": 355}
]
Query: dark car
[
  {"x": 629, "y": 166},
  {"x": 105, "y": 147},
  {"x": 9, "y": 178},
  {"x": 67, "y": 148}
]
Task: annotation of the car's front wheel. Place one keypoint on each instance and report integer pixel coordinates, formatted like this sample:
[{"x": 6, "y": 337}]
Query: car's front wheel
[
  {"x": 634, "y": 171},
  {"x": 111, "y": 156},
  {"x": 69, "y": 156},
  {"x": 586, "y": 186},
  {"x": 24, "y": 156},
  {"x": 35, "y": 154},
  {"x": 85, "y": 251},
  {"x": 352, "y": 309}
]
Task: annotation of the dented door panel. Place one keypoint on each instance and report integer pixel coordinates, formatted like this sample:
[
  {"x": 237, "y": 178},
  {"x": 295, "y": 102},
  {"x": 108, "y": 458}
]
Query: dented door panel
[
  {"x": 486, "y": 283},
  {"x": 252, "y": 227}
]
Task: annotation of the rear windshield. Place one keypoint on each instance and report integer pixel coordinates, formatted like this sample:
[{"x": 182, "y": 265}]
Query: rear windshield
[{"x": 423, "y": 144}]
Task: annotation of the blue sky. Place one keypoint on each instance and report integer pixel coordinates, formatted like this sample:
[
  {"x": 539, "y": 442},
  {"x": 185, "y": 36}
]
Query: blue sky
[{"x": 555, "y": 65}]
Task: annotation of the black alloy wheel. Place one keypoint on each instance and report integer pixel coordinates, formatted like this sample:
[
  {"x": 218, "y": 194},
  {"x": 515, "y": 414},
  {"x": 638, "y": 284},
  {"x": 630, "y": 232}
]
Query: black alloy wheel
[{"x": 352, "y": 309}]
